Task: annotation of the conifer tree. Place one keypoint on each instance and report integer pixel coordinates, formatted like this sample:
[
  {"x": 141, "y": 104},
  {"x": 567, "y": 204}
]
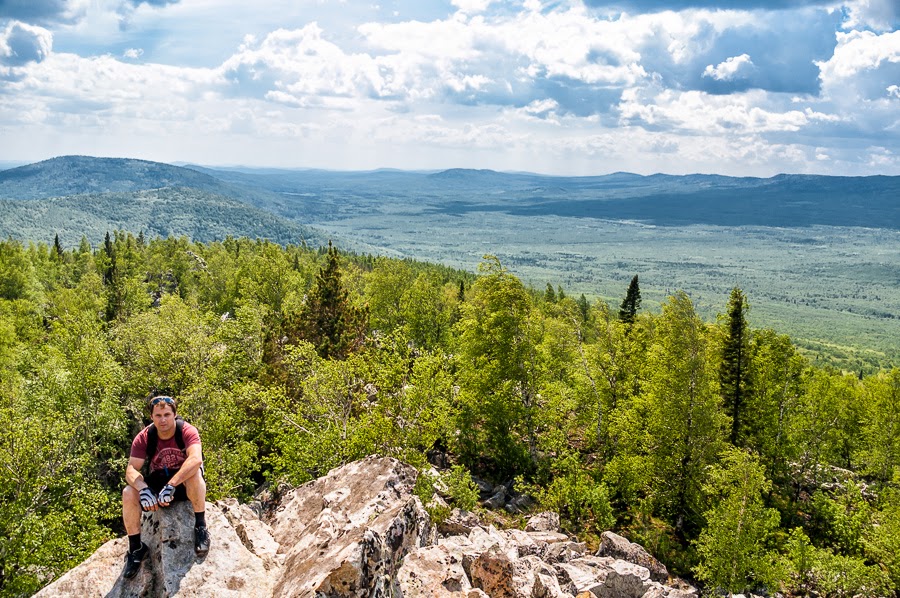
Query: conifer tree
[
  {"x": 57, "y": 247},
  {"x": 734, "y": 373},
  {"x": 632, "y": 302},
  {"x": 583, "y": 307},
  {"x": 329, "y": 320},
  {"x": 550, "y": 294}
]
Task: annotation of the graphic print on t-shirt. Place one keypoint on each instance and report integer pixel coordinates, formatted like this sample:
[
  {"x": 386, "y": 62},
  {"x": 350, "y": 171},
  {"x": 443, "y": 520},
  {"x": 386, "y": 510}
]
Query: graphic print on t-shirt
[{"x": 168, "y": 458}]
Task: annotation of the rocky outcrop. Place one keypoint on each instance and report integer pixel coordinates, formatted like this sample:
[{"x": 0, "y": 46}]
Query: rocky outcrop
[
  {"x": 616, "y": 546},
  {"x": 359, "y": 531},
  {"x": 530, "y": 564},
  {"x": 171, "y": 569}
]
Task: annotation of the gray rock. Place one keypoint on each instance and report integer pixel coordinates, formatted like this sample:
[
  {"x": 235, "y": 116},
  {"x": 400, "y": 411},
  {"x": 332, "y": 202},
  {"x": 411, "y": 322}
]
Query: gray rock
[
  {"x": 460, "y": 522},
  {"x": 359, "y": 531},
  {"x": 345, "y": 534},
  {"x": 485, "y": 488},
  {"x": 625, "y": 580},
  {"x": 614, "y": 545},
  {"x": 543, "y": 522},
  {"x": 433, "y": 572},
  {"x": 171, "y": 569},
  {"x": 497, "y": 500}
]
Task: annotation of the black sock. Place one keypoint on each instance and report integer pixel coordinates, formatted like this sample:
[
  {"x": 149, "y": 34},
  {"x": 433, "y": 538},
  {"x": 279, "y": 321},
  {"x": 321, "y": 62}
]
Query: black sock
[
  {"x": 134, "y": 542},
  {"x": 200, "y": 519}
]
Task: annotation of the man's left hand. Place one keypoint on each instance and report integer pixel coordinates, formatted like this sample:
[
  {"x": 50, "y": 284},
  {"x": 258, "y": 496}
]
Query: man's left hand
[{"x": 166, "y": 495}]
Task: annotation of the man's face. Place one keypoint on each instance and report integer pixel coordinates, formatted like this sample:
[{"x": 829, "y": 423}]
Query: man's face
[{"x": 163, "y": 418}]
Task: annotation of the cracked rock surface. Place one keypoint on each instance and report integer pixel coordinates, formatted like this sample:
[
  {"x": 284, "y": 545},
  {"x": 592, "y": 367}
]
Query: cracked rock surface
[{"x": 360, "y": 532}]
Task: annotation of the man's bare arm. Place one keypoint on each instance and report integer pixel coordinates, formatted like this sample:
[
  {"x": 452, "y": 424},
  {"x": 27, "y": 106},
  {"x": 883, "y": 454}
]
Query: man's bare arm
[
  {"x": 190, "y": 466},
  {"x": 133, "y": 475}
]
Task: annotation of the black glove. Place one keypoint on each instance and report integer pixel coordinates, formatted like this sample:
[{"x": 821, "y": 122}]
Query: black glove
[
  {"x": 148, "y": 499},
  {"x": 167, "y": 494}
]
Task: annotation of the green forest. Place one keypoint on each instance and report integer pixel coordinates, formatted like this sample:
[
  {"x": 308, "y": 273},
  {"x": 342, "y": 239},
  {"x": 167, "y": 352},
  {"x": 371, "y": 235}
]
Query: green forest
[{"x": 718, "y": 446}]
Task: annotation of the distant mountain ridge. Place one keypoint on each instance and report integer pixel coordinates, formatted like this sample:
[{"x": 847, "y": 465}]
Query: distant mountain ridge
[{"x": 305, "y": 196}]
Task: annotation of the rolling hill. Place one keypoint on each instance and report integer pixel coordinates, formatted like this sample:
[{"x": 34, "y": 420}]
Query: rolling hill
[{"x": 77, "y": 195}]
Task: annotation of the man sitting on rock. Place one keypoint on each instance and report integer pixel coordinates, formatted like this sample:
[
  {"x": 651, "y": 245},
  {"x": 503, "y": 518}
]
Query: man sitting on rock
[{"x": 175, "y": 457}]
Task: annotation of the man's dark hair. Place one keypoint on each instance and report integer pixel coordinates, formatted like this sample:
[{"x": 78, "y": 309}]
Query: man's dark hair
[{"x": 157, "y": 398}]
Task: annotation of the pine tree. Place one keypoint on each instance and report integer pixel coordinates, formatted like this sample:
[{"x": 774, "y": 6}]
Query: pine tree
[
  {"x": 329, "y": 320},
  {"x": 57, "y": 247},
  {"x": 734, "y": 373},
  {"x": 632, "y": 302},
  {"x": 550, "y": 294},
  {"x": 584, "y": 307}
]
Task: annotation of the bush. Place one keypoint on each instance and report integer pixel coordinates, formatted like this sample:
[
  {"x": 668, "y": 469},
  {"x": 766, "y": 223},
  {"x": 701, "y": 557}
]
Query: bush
[{"x": 460, "y": 488}]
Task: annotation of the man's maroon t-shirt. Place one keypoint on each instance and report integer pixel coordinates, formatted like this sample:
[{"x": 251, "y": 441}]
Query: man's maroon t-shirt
[{"x": 168, "y": 455}]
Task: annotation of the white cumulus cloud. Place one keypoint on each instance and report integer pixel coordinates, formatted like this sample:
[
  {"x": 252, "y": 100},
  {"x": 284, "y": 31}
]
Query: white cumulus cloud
[
  {"x": 471, "y": 6},
  {"x": 732, "y": 68},
  {"x": 21, "y": 43}
]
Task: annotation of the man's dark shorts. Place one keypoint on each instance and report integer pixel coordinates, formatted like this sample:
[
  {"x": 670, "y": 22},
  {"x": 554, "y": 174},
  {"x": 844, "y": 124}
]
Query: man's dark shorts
[{"x": 158, "y": 479}]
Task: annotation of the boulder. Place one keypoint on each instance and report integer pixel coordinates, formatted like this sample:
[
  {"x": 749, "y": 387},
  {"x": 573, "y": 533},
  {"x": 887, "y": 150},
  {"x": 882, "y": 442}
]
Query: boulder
[
  {"x": 625, "y": 580},
  {"x": 543, "y": 522},
  {"x": 171, "y": 569},
  {"x": 346, "y": 534},
  {"x": 433, "y": 572},
  {"x": 253, "y": 532},
  {"x": 492, "y": 571},
  {"x": 497, "y": 499},
  {"x": 460, "y": 522},
  {"x": 585, "y": 574},
  {"x": 615, "y": 546}
]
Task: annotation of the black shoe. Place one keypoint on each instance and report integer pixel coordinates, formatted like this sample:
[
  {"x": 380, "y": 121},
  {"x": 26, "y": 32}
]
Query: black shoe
[
  {"x": 201, "y": 540},
  {"x": 133, "y": 561}
]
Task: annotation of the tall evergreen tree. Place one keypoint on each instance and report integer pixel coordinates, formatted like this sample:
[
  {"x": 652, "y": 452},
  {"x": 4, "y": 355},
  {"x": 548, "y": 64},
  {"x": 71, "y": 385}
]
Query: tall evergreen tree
[
  {"x": 734, "y": 373},
  {"x": 583, "y": 307},
  {"x": 57, "y": 247},
  {"x": 329, "y": 320},
  {"x": 632, "y": 302},
  {"x": 550, "y": 294}
]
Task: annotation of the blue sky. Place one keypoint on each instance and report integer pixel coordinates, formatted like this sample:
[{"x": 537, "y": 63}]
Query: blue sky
[{"x": 747, "y": 87}]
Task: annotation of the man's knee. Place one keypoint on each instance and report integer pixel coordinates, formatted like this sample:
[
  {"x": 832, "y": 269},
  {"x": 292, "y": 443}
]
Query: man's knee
[
  {"x": 195, "y": 486},
  {"x": 130, "y": 495}
]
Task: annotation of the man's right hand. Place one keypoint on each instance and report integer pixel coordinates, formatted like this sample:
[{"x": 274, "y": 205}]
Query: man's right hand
[{"x": 148, "y": 500}]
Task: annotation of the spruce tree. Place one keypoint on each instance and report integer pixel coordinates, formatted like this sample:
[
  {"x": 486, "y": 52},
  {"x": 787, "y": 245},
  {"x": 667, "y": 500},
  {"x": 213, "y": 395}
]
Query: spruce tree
[
  {"x": 57, "y": 247},
  {"x": 734, "y": 373},
  {"x": 329, "y": 320},
  {"x": 584, "y": 307},
  {"x": 550, "y": 294},
  {"x": 632, "y": 302}
]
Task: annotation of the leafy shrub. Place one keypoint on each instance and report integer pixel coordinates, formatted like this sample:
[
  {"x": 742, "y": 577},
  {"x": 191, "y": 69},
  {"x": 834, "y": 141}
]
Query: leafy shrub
[
  {"x": 575, "y": 495},
  {"x": 460, "y": 487},
  {"x": 820, "y": 570}
]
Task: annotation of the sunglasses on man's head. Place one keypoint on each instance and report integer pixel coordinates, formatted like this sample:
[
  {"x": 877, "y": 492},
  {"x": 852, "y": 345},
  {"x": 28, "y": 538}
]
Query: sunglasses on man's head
[{"x": 158, "y": 400}]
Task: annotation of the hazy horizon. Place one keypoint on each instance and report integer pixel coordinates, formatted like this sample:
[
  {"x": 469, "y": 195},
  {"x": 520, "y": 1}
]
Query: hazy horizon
[{"x": 577, "y": 87}]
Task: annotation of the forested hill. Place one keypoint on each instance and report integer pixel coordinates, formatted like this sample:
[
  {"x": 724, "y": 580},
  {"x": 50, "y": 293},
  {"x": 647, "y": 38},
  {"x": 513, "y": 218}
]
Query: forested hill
[
  {"x": 717, "y": 445},
  {"x": 72, "y": 196},
  {"x": 666, "y": 200},
  {"x": 170, "y": 211},
  {"x": 75, "y": 175}
]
